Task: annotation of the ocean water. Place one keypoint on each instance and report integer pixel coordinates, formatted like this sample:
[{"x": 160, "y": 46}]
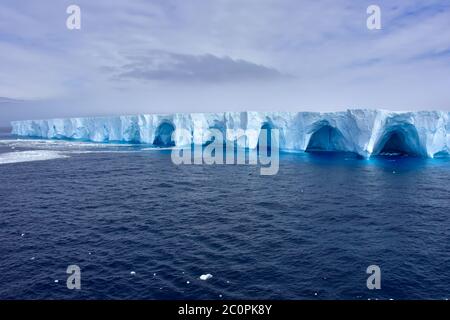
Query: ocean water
[{"x": 308, "y": 232}]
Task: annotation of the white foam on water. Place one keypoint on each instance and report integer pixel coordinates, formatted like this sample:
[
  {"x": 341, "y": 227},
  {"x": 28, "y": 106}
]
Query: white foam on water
[
  {"x": 160, "y": 148},
  {"x": 27, "y": 156},
  {"x": 99, "y": 151},
  {"x": 43, "y": 143}
]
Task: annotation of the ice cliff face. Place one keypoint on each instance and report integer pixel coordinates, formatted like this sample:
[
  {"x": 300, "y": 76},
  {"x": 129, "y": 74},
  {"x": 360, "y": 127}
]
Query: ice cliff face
[{"x": 365, "y": 132}]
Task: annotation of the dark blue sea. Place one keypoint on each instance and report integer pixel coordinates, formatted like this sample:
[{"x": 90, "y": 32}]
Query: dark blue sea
[{"x": 308, "y": 232}]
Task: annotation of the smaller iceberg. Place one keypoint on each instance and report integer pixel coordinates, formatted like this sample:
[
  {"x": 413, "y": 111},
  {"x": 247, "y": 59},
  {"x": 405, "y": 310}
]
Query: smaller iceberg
[{"x": 205, "y": 277}]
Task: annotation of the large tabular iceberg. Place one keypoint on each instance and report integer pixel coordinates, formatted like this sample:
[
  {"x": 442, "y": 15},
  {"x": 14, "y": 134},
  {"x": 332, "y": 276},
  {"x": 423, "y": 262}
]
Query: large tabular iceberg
[{"x": 365, "y": 132}]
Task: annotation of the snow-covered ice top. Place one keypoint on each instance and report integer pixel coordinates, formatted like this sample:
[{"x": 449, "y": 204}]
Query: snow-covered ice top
[{"x": 365, "y": 132}]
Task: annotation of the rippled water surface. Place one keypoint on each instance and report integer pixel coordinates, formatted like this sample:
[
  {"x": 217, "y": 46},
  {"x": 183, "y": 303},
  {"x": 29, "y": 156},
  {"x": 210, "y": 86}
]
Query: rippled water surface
[{"x": 308, "y": 232}]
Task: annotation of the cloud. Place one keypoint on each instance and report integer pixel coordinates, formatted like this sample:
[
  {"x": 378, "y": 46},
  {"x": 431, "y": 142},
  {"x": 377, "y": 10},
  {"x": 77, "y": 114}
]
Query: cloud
[
  {"x": 188, "y": 68},
  {"x": 248, "y": 49},
  {"x": 9, "y": 100}
]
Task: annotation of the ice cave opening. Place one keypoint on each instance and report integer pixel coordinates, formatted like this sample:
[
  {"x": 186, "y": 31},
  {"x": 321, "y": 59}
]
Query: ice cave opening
[
  {"x": 163, "y": 136},
  {"x": 326, "y": 139},
  {"x": 399, "y": 141},
  {"x": 265, "y": 139}
]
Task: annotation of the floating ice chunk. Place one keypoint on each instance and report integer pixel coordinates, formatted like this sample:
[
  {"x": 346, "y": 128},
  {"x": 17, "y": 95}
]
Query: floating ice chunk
[
  {"x": 26, "y": 156},
  {"x": 56, "y": 281},
  {"x": 206, "y": 276},
  {"x": 132, "y": 273}
]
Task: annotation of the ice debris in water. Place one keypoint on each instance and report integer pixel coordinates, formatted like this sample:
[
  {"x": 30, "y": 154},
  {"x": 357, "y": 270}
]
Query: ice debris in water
[
  {"x": 206, "y": 276},
  {"x": 27, "y": 156},
  {"x": 132, "y": 273}
]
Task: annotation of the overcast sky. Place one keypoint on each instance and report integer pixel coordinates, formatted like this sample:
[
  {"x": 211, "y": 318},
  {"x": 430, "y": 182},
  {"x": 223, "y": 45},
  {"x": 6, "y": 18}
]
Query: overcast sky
[{"x": 135, "y": 56}]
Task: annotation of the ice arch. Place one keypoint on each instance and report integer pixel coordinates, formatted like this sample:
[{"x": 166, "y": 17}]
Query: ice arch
[
  {"x": 326, "y": 139},
  {"x": 163, "y": 135},
  {"x": 401, "y": 139}
]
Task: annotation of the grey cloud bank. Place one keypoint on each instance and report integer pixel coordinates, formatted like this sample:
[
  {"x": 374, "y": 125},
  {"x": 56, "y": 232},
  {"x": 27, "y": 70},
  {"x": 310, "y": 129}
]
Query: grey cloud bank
[{"x": 168, "y": 66}]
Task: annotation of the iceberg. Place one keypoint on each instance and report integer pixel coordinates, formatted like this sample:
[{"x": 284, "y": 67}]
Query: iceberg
[{"x": 362, "y": 131}]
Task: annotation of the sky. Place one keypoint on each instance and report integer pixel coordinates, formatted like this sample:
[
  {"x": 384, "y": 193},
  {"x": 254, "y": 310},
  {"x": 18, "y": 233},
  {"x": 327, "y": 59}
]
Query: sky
[{"x": 160, "y": 56}]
